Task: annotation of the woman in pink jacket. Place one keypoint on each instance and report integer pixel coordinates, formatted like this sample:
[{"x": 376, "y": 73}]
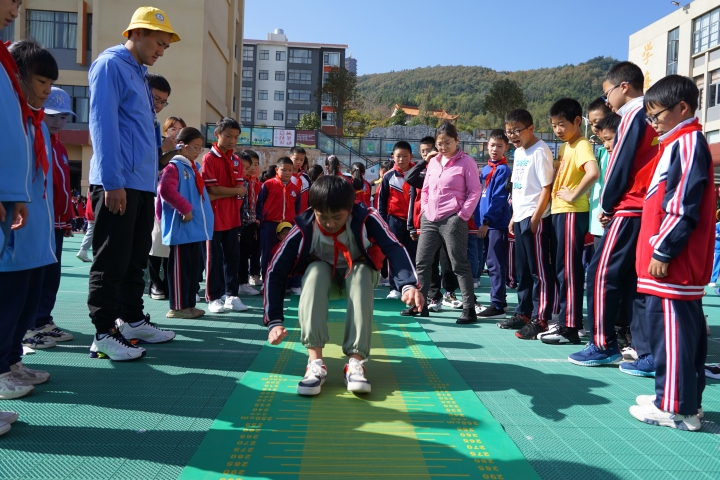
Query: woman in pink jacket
[{"x": 449, "y": 197}]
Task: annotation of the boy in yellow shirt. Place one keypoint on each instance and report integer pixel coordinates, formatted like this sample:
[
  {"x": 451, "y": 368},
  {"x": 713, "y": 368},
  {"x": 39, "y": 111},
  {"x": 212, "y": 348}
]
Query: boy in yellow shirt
[{"x": 577, "y": 171}]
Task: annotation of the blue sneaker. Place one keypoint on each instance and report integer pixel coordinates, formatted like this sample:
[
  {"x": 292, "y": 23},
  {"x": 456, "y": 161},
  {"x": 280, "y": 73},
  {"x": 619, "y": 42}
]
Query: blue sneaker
[
  {"x": 642, "y": 367},
  {"x": 592, "y": 356}
]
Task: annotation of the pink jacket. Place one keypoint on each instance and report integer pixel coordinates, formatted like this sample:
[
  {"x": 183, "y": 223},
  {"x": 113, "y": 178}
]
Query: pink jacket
[{"x": 454, "y": 188}]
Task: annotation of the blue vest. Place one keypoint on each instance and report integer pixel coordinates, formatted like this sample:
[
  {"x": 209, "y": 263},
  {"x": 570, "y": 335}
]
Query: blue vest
[{"x": 200, "y": 228}]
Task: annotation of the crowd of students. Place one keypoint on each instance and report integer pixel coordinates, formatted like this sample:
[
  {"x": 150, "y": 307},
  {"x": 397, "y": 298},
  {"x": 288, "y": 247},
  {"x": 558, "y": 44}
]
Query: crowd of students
[{"x": 638, "y": 202}]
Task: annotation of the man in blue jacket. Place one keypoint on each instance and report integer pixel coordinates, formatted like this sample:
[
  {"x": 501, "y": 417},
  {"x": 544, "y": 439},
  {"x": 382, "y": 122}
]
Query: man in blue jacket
[{"x": 123, "y": 180}]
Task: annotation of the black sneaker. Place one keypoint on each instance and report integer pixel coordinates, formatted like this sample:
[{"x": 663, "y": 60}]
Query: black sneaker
[
  {"x": 562, "y": 336},
  {"x": 712, "y": 371},
  {"x": 516, "y": 322},
  {"x": 531, "y": 330},
  {"x": 468, "y": 316},
  {"x": 157, "y": 294},
  {"x": 410, "y": 312},
  {"x": 491, "y": 312}
]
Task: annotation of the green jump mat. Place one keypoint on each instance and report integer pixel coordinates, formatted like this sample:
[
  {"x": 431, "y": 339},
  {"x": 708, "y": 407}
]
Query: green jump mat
[{"x": 420, "y": 421}]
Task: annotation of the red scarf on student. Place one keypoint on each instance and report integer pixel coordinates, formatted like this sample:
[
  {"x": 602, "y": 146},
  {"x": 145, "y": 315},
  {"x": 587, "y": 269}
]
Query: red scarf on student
[
  {"x": 199, "y": 182},
  {"x": 337, "y": 248},
  {"x": 493, "y": 165},
  {"x": 36, "y": 116},
  {"x": 229, "y": 163}
]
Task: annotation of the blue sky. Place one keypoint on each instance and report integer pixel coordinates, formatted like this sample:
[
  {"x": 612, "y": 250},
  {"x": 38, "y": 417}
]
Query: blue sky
[{"x": 387, "y": 35}]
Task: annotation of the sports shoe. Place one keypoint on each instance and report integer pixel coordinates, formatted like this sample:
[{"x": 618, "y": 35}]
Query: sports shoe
[
  {"x": 384, "y": 282},
  {"x": 8, "y": 417},
  {"x": 476, "y": 283},
  {"x": 54, "y": 333},
  {"x": 185, "y": 313},
  {"x": 256, "y": 281},
  {"x": 296, "y": 291},
  {"x": 246, "y": 289},
  {"x": 450, "y": 300},
  {"x": 531, "y": 330},
  {"x": 468, "y": 316},
  {"x": 629, "y": 354},
  {"x": 562, "y": 336},
  {"x": 145, "y": 332},
  {"x": 4, "y": 428},
  {"x": 198, "y": 312},
  {"x": 435, "y": 305},
  {"x": 11, "y": 387},
  {"x": 28, "y": 375},
  {"x": 552, "y": 329},
  {"x": 216, "y": 306},
  {"x": 712, "y": 371},
  {"x": 652, "y": 415},
  {"x": 515, "y": 322},
  {"x": 156, "y": 293},
  {"x": 198, "y": 299},
  {"x": 583, "y": 333},
  {"x": 642, "y": 367},
  {"x": 393, "y": 295},
  {"x": 38, "y": 341},
  {"x": 592, "y": 355},
  {"x": 315, "y": 376},
  {"x": 115, "y": 347},
  {"x": 355, "y": 380},
  {"x": 234, "y": 304},
  {"x": 28, "y": 351},
  {"x": 712, "y": 284},
  {"x": 82, "y": 255},
  {"x": 645, "y": 400},
  {"x": 491, "y": 313}
]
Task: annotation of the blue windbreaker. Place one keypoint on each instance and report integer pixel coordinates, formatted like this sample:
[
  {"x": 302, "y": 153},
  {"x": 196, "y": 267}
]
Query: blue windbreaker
[{"x": 15, "y": 162}]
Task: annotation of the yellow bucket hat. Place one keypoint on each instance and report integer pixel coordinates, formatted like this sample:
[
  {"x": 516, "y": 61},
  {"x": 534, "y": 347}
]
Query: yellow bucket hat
[
  {"x": 151, "y": 18},
  {"x": 282, "y": 226}
]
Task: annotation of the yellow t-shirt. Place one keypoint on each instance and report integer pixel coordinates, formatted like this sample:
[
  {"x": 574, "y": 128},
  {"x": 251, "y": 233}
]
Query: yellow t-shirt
[{"x": 570, "y": 173}]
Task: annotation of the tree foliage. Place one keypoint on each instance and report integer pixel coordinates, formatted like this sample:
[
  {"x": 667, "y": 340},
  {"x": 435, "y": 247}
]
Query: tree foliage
[
  {"x": 398, "y": 118},
  {"x": 339, "y": 90},
  {"x": 309, "y": 121},
  {"x": 504, "y": 96}
]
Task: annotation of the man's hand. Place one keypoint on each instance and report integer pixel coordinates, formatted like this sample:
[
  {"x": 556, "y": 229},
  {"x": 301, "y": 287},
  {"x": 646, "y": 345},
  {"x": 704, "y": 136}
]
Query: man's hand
[
  {"x": 657, "y": 268},
  {"x": 116, "y": 200},
  {"x": 483, "y": 231},
  {"x": 431, "y": 155},
  {"x": 168, "y": 143},
  {"x": 241, "y": 190},
  {"x": 187, "y": 217},
  {"x": 564, "y": 193},
  {"x": 604, "y": 219},
  {"x": 534, "y": 224},
  {"x": 414, "y": 298},
  {"x": 20, "y": 216},
  {"x": 276, "y": 335}
]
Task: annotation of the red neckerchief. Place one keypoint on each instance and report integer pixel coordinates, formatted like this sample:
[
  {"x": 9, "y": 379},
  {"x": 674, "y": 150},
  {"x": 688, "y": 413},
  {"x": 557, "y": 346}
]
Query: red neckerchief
[
  {"x": 337, "y": 248},
  {"x": 199, "y": 182},
  {"x": 229, "y": 163},
  {"x": 41, "y": 158},
  {"x": 493, "y": 165}
]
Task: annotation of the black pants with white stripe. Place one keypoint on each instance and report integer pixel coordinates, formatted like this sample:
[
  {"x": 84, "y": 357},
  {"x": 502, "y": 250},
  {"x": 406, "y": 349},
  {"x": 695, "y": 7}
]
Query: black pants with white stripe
[
  {"x": 568, "y": 243},
  {"x": 535, "y": 275},
  {"x": 184, "y": 268},
  {"x": 223, "y": 263}
]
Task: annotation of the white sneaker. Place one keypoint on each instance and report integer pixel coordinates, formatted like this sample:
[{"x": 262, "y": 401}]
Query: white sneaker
[
  {"x": 476, "y": 284},
  {"x": 234, "y": 304},
  {"x": 256, "y": 281},
  {"x": 645, "y": 400},
  {"x": 479, "y": 308},
  {"x": 197, "y": 298},
  {"x": 315, "y": 376},
  {"x": 82, "y": 255},
  {"x": 629, "y": 353},
  {"x": 115, "y": 347},
  {"x": 435, "y": 306},
  {"x": 394, "y": 295},
  {"x": 246, "y": 289},
  {"x": 145, "y": 332},
  {"x": 52, "y": 332},
  {"x": 355, "y": 376},
  {"x": 296, "y": 291},
  {"x": 28, "y": 351},
  {"x": 450, "y": 300},
  {"x": 712, "y": 284},
  {"x": 552, "y": 329},
  {"x": 216, "y": 306},
  {"x": 38, "y": 341},
  {"x": 652, "y": 415},
  {"x": 8, "y": 417},
  {"x": 11, "y": 387},
  {"x": 28, "y": 375}
]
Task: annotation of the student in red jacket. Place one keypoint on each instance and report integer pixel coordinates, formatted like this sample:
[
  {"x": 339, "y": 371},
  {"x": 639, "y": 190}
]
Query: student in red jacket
[
  {"x": 300, "y": 176},
  {"x": 363, "y": 191}
]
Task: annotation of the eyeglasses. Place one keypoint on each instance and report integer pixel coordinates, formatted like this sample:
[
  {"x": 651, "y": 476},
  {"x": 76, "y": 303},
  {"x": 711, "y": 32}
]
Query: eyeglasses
[
  {"x": 444, "y": 144},
  {"x": 605, "y": 95},
  {"x": 652, "y": 118},
  {"x": 160, "y": 101},
  {"x": 512, "y": 133}
]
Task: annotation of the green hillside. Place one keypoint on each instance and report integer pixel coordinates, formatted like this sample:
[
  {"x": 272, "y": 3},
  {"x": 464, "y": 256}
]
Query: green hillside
[{"x": 461, "y": 90}]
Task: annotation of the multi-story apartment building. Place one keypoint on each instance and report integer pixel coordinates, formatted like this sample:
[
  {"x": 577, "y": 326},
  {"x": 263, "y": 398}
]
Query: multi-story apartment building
[
  {"x": 203, "y": 69},
  {"x": 280, "y": 78}
]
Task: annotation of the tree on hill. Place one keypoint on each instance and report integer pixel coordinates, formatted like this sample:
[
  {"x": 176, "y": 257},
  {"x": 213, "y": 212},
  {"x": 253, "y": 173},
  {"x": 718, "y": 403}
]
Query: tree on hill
[
  {"x": 309, "y": 121},
  {"x": 398, "y": 118},
  {"x": 339, "y": 90},
  {"x": 504, "y": 97}
]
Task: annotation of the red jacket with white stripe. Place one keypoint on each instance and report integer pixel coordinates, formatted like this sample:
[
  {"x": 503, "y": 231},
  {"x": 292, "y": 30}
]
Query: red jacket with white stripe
[
  {"x": 302, "y": 181},
  {"x": 62, "y": 199},
  {"x": 678, "y": 220},
  {"x": 278, "y": 202},
  {"x": 394, "y": 195}
]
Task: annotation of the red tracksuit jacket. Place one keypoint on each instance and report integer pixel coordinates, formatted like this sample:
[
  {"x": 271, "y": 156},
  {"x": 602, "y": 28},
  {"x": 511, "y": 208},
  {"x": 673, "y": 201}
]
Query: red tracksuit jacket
[{"x": 278, "y": 202}]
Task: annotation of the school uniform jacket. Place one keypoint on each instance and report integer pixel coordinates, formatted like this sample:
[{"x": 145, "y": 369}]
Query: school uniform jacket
[
  {"x": 62, "y": 199},
  {"x": 302, "y": 181},
  {"x": 625, "y": 179},
  {"x": 394, "y": 195},
  {"x": 678, "y": 220},
  {"x": 278, "y": 202},
  {"x": 293, "y": 253}
]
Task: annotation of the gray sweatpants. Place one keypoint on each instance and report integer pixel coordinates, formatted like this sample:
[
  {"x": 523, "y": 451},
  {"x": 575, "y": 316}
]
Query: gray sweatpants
[
  {"x": 453, "y": 231},
  {"x": 87, "y": 239}
]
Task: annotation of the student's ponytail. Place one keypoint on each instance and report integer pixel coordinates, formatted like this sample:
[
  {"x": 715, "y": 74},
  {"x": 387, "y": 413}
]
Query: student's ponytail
[
  {"x": 333, "y": 165},
  {"x": 357, "y": 171}
]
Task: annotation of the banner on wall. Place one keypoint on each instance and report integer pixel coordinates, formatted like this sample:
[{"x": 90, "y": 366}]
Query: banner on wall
[
  {"x": 262, "y": 137},
  {"x": 244, "y": 138},
  {"x": 306, "y": 139},
  {"x": 283, "y": 138}
]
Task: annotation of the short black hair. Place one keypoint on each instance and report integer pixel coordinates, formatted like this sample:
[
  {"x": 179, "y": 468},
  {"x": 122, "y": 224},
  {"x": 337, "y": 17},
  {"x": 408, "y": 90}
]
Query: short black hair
[
  {"x": 271, "y": 172},
  {"x": 671, "y": 90},
  {"x": 499, "y": 134},
  {"x": 331, "y": 194},
  {"x": 403, "y": 145},
  {"x": 158, "y": 82},
  {"x": 599, "y": 104},
  {"x": 386, "y": 165},
  {"x": 225, "y": 124},
  {"x": 567, "y": 108},
  {"x": 32, "y": 59},
  {"x": 519, "y": 116},
  {"x": 447, "y": 128},
  {"x": 284, "y": 161},
  {"x": 188, "y": 134},
  {"x": 626, "y": 72},
  {"x": 297, "y": 149},
  {"x": 427, "y": 141},
  {"x": 248, "y": 155},
  {"x": 315, "y": 172},
  {"x": 611, "y": 122}
]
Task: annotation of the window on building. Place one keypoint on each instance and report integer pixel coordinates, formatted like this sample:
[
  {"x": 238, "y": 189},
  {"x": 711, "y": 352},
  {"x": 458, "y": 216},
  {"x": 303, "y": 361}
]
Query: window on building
[
  {"x": 299, "y": 96},
  {"x": 713, "y": 136},
  {"x": 247, "y": 72},
  {"x": 248, "y": 54},
  {"x": 328, "y": 118},
  {"x": 280, "y": 76},
  {"x": 706, "y": 31},
  {"x": 264, "y": 55},
  {"x": 700, "y": 84},
  {"x": 80, "y": 101},
  {"x": 89, "y": 24},
  {"x": 247, "y": 94},
  {"x": 246, "y": 115},
  {"x": 295, "y": 115},
  {"x": 262, "y": 115},
  {"x": 280, "y": 56},
  {"x": 332, "y": 59},
  {"x": 714, "y": 88},
  {"x": 7, "y": 34},
  {"x": 300, "y": 56},
  {"x": 672, "y": 51},
  {"x": 303, "y": 77},
  {"x": 234, "y": 104},
  {"x": 262, "y": 94},
  {"x": 264, "y": 75},
  {"x": 278, "y": 115},
  {"x": 52, "y": 29},
  {"x": 279, "y": 95}
]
